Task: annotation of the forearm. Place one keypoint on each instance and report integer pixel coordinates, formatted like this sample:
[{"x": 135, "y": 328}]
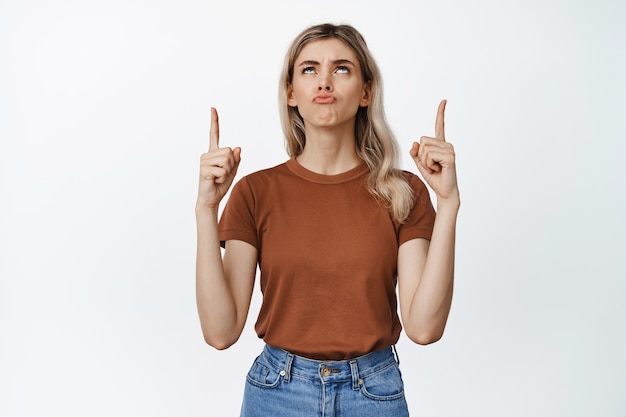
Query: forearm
[
  {"x": 432, "y": 299},
  {"x": 215, "y": 300}
]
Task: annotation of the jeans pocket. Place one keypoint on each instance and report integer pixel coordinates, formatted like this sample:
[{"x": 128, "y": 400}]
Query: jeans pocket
[
  {"x": 384, "y": 385},
  {"x": 263, "y": 374}
]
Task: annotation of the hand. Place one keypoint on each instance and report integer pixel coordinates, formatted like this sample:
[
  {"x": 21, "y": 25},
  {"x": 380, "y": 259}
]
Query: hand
[
  {"x": 218, "y": 168},
  {"x": 435, "y": 160}
]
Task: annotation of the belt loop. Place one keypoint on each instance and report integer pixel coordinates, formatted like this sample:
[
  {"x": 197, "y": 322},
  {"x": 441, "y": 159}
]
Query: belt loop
[
  {"x": 355, "y": 375},
  {"x": 395, "y": 353},
  {"x": 288, "y": 362}
]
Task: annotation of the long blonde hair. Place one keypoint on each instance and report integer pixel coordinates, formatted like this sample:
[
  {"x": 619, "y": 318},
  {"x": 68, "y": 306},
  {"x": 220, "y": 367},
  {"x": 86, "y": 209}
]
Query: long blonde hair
[{"x": 375, "y": 142}]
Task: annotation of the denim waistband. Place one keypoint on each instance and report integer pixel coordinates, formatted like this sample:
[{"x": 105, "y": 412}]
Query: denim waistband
[{"x": 330, "y": 371}]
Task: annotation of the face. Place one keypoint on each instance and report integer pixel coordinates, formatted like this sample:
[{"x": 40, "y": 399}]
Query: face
[{"x": 327, "y": 85}]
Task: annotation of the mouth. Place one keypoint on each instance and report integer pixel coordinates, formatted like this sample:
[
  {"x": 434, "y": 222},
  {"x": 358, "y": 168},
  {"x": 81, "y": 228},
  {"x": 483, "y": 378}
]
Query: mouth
[{"x": 324, "y": 99}]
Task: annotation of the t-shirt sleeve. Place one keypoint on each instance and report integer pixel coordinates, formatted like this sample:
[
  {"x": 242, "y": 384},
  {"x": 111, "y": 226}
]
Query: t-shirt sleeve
[
  {"x": 421, "y": 220},
  {"x": 238, "y": 221}
]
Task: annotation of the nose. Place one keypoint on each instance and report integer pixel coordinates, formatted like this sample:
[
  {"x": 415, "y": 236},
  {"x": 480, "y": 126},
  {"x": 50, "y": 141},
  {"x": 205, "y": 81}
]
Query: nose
[{"x": 325, "y": 83}]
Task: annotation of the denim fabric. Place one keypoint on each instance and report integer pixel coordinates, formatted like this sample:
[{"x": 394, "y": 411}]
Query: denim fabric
[{"x": 280, "y": 384}]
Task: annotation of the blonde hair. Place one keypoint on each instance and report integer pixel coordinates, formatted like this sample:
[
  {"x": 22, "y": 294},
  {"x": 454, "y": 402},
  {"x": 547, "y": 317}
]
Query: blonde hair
[{"x": 375, "y": 142}]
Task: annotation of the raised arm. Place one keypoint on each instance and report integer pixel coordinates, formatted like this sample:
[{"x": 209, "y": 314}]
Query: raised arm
[
  {"x": 223, "y": 285},
  {"x": 426, "y": 269}
]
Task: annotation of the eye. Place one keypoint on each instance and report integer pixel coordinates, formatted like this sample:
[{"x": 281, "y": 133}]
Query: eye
[
  {"x": 342, "y": 69},
  {"x": 308, "y": 70}
]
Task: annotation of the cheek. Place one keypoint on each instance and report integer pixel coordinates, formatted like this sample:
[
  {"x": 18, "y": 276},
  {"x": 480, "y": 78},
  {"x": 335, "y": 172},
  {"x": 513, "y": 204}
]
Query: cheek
[
  {"x": 355, "y": 90},
  {"x": 299, "y": 89}
]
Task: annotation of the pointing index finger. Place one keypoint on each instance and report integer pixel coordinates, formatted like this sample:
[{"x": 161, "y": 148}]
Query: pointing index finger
[
  {"x": 439, "y": 123},
  {"x": 214, "y": 133}
]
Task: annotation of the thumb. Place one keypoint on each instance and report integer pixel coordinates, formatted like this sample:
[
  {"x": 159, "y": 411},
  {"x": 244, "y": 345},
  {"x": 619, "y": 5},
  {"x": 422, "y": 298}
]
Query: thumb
[
  {"x": 414, "y": 150},
  {"x": 237, "y": 156},
  {"x": 418, "y": 162}
]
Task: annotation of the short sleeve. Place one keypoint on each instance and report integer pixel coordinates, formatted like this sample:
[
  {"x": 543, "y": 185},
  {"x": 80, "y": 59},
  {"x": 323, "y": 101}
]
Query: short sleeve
[
  {"x": 238, "y": 218},
  {"x": 421, "y": 220}
]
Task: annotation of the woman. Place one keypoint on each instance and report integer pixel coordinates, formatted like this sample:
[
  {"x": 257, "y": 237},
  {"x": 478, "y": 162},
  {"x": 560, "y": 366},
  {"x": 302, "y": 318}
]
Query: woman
[{"x": 333, "y": 230}]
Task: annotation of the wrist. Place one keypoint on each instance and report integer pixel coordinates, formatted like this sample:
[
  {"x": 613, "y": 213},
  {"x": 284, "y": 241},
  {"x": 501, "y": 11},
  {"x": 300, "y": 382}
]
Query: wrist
[
  {"x": 203, "y": 209},
  {"x": 449, "y": 204}
]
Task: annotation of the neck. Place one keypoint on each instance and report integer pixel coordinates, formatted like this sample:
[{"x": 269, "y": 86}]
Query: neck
[{"x": 329, "y": 151}]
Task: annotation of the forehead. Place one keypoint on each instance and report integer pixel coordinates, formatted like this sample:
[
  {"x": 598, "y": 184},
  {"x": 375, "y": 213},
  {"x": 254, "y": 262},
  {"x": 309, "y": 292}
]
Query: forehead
[{"x": 326, "y": 49}]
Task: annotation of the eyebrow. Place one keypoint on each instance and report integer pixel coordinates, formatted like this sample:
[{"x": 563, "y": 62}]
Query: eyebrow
[{"x": 335, "y": 62}]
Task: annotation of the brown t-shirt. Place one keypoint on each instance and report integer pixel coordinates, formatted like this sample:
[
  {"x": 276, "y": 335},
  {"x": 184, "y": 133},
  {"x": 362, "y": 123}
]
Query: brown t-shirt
[{"x": 328, "y": 255}]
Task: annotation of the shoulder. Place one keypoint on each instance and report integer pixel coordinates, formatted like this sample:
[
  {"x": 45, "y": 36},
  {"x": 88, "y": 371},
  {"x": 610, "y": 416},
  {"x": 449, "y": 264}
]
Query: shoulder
[
  {"x": 259, "y": 181},
  {"x": 266, "y": 173},
  {"x": 263, "y": 175},
  {"x": 421, "y": 219},
  {"x": 416, "y": 183}
]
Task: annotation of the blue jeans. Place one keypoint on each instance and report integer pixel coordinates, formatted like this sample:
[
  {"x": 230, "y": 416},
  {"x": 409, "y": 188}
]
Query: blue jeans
[{"x": 280, "y": 384}]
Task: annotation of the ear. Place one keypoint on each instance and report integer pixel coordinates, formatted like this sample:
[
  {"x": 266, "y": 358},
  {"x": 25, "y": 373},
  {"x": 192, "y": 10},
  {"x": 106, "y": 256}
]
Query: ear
[
  {"x": 367, "y": 95},
  {"x": 291, "y": 98}
]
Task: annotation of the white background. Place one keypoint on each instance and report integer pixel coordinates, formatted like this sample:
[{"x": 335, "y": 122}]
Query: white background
[{"x": 104, "y": 112}]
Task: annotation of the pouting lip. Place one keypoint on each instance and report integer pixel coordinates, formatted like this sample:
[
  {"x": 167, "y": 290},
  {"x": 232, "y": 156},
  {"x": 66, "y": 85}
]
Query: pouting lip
[{"x": 324, "y": 98}]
